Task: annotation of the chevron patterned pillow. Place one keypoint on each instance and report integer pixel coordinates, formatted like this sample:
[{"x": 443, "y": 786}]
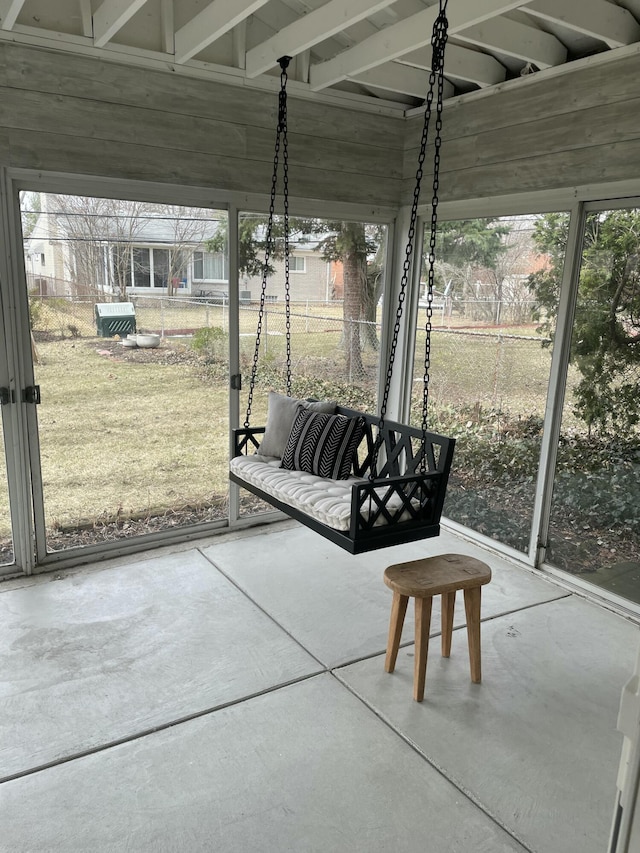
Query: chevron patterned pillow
[
  {"x": 323, "y": 444},
  {"x": 281, "y": 415}
]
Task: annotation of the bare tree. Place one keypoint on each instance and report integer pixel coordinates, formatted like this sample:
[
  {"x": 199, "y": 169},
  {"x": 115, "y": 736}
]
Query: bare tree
[
  {"x": 511, "y": 273},
  {"x": 185, "y": 231},
  {"x": 108, "y": 241},
  {"x": 99, "y": 233}
]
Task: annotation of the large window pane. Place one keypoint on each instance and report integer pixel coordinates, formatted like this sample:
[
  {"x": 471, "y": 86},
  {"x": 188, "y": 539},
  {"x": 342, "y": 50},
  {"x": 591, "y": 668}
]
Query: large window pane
[
  {"x": 210, "y": 266},
  {"x": 141, "y": 268},
  {"x": 334, "y": 315},
  {"x": 595, "y": 517},
  {"x": 160, "y": 267},
  {"x": 133, "y": 439},
  {"x": 489, "y": 371}
]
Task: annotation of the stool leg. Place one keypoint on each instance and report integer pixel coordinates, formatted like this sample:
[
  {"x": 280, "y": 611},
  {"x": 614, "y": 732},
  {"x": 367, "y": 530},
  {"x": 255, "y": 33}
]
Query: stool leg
[
  {"x": 423, "y": 623},
  {"x": 398, "y": 610},
  {"x": 448, "y": 602},
  {"x": 472, "y": 610}
]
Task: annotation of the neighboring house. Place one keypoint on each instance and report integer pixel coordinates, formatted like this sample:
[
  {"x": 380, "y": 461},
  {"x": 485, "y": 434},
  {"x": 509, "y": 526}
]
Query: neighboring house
[
  {"x": 309, "y": 277},
  {"x": 88, "y": 247}
]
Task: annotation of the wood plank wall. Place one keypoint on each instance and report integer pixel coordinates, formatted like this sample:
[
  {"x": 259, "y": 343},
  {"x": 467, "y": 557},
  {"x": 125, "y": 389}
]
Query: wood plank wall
[
  {"x": 579, "y": 128},
  {"x": 70, "y": 113}
]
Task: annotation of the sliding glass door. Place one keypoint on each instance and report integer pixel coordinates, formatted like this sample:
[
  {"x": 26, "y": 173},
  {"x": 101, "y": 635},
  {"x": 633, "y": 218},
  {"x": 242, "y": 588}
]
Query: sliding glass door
[
  {"x": 489, "y": 371},
  {"x": 594, "y": 525},
  {"x": 131, "y": 369}
]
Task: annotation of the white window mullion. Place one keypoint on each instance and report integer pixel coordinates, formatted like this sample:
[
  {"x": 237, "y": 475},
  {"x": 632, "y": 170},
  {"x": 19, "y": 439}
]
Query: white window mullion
[
  {"x": 234, "y": 348},
  {"x": 18, "y": 419},
  {"x": 557, "y": 387},
  {"x": 152, "y": 278}
]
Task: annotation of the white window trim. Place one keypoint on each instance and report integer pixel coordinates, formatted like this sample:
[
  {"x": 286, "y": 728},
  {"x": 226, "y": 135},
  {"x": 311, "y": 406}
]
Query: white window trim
[
  {"x": 195, "y": 280},
  {"x": 302, "y": 258}
]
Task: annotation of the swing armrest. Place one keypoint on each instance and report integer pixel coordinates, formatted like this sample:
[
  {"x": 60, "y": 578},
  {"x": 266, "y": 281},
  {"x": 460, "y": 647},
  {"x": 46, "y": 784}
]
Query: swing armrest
[
  {"x": 246, "y": 440},
  {"x": 414, "y": 498}
]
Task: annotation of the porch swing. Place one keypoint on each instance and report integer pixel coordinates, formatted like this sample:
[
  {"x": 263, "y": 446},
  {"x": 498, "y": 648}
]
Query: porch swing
[{"x": 359, "y": 480}]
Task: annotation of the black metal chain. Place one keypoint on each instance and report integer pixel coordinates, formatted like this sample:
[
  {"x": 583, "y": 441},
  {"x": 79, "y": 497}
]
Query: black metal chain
[
  {"x": 436, "y": 84},
  {"x": 281, "y": 133},
  {"x": 433, "y": 233},
  {"x": 285, "y": 195}
]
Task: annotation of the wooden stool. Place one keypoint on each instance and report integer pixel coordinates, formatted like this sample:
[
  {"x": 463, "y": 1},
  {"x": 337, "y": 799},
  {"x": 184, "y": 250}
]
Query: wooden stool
[{"x": 423, "y": 579}]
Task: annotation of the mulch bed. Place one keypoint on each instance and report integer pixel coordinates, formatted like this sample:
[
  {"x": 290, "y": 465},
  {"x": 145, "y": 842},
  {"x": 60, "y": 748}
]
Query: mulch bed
[{"x": 166, "y": 353}]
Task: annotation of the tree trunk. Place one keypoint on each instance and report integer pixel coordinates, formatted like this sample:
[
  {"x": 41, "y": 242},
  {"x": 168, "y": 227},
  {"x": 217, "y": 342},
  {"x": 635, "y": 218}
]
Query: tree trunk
[
  {"x": 370, "y": 298},
  {"x": 353, "y": 278}
]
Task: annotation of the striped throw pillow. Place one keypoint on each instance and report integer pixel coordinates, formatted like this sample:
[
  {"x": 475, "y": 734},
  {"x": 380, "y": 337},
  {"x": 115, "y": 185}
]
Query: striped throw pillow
[{"x": 322, "y": 444}]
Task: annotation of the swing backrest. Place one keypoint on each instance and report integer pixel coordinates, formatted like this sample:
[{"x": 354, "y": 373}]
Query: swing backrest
[{"x": 400, "y": 453}]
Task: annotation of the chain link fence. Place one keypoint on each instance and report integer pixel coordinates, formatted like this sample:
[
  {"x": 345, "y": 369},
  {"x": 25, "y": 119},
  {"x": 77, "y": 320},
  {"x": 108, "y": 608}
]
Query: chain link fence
[
  {"x": 471, "y": 370},
  {"x": 487, "y": 387},
  {"x": 469, "y": 367}
]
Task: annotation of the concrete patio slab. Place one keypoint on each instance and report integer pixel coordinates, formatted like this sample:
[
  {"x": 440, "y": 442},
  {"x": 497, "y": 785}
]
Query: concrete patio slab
[
  {"x": 337, "y": 605},
  {"x": 305, "y": 768},
  {"x": 101, "y": 655},
  {"x": 536, "y": 743}
]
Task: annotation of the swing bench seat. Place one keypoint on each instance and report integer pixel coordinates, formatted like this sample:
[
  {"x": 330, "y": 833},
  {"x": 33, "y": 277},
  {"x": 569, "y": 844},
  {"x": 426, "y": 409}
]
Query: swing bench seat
[{"x": 400, "y": 504}]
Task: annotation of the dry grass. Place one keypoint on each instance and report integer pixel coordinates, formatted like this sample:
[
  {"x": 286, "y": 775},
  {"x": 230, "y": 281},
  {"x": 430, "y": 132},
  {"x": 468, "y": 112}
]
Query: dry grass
[
  {"x": 126, "y": 436},
  {"x": 470, "y": 369},
  {"x": 130, "y": 432}
]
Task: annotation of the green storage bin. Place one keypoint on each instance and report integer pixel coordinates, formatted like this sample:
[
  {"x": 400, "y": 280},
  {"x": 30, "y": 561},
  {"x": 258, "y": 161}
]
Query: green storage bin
[{"x": 115, "y": 318}]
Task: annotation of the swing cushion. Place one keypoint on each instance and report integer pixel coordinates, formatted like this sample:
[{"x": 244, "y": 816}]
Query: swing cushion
[
  {"x": 323, "y": 444},
  {"x": 281, "y": 415},
  {"x": 327, "y": 501}
]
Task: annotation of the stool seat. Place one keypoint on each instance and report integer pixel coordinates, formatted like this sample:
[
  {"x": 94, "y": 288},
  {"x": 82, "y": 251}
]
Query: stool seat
[
  {"x": 435, "y": 575},
  {"x": 422, "y": 579}
]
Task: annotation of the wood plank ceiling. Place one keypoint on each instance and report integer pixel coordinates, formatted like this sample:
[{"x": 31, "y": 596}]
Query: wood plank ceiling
[{"x": 367, "y": 53}]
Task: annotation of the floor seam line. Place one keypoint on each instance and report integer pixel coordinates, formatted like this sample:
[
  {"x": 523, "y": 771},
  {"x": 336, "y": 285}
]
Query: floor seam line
[
  {"x": 452, "y": 781},
  {"x": 263, "y": 610},
  {"x": 438, "y": 633},
  {"x": 531, "y": 606},
  {"x": 139, "y": 735}
]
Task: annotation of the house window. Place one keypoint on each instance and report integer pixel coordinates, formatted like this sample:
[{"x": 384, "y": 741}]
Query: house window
[
  {"x": 160, "y": 267},
  {"x": 210, "y": 266},
  {"x": 297, "y": 263},
  {"x": 178, "y": 264},
  {"x": 42, "y": 259},
  {"x": 141, "y": 268}
]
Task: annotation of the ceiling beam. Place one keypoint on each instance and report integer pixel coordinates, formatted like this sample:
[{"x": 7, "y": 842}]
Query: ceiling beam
[
  {"x": 9, "y": 11},
  {"x": 212, "y": 23},
  {"x": 394, "y": 77},
  {"x": 403, "y": 79},
  {"x": 239, "y": 45},
  {"x": 407, "y": 35},
  {"x": 599, "y": 19},
  {"x": 111, "y": 16},
  {"x": 517, "y": 40},
  {"x": 462, "y": 63},
  {"x": 167, "y": 26},
  {"x": 87, "y": 18},
  {"x": 302, "y": 65},
  {"x": 309, "y": 30}
]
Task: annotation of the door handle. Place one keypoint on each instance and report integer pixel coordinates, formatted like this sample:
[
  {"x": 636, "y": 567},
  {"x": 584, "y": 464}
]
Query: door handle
[
  {"x": 6, "y": 396},
  {"x": 31, "y": 394}
]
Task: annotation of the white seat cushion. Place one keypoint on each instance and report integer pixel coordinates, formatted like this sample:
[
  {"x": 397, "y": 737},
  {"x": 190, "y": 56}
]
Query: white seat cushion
[{"x": 328, "y": 501}]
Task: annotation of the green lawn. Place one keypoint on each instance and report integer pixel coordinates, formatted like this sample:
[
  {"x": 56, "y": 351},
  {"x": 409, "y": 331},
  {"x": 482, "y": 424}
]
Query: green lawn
[
  {"x": 121, "y": 436},
  {"x": 127, "y": 433}
]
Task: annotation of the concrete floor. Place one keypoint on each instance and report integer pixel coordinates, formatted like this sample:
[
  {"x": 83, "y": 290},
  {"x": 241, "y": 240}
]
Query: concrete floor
[{"x": 231, "y": 697}]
